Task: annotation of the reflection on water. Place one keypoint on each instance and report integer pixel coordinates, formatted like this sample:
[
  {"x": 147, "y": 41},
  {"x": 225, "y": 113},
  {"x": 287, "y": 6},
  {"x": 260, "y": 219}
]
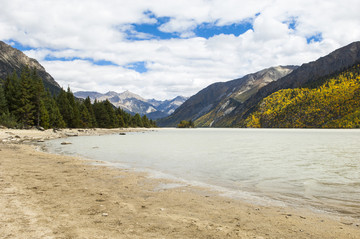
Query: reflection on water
[{"x": 316, "y": 168}]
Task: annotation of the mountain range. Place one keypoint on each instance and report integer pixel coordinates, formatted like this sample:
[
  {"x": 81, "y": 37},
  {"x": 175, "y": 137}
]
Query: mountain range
[
  {"x": 219, "y": 99},
  {"x": 13, "y": 60},
  {"x": 228, "y": 104},
  {"x": 134, "y": 103},
  {"x": 222, "y": 104}
]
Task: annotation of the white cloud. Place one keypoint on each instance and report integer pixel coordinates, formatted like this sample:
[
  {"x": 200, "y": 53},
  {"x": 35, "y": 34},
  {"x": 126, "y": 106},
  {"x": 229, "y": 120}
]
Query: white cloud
[{"x": 98, "y": 30}]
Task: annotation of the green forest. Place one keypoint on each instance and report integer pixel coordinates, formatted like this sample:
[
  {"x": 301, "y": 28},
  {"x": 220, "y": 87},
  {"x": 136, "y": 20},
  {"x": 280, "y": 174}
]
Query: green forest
[
  {"x": 335, "y": 103},
  {"x": 24, "y": 103}
]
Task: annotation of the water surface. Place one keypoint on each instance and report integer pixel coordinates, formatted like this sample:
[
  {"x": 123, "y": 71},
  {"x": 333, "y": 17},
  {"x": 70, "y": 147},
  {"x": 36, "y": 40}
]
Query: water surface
[{"x": 302, "y": 167}]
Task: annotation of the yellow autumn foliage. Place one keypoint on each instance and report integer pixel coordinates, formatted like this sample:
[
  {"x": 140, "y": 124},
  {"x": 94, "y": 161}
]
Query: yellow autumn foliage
[{"x": 335, "y": 104}]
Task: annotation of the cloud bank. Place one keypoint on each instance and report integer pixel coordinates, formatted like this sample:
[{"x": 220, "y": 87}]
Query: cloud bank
[{"x": 161, "y": 49}]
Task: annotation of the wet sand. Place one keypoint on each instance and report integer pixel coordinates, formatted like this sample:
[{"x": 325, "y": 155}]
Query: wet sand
[{"x": 53, "y": 196}]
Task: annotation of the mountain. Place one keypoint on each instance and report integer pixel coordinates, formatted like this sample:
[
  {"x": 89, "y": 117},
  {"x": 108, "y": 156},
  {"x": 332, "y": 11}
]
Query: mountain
[
  {"x": 219, "y": 99},
  {"x": 334, "y": 103},
  {"x": 311, "y": 73},
  {"x": 134, "y": 103},
  {"x": 12, "y": 60}
]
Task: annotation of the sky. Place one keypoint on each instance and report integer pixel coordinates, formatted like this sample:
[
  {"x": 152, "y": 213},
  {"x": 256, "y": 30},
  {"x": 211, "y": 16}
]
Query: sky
[{"x": 164, "y": 48}]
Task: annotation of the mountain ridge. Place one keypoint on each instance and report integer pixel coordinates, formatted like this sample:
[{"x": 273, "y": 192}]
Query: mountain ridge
[
  {"x": 209, "y": 98},
  {"x": 134, "y": 103},
  {"x": 12, "y": 59},
  {"x": 307, "y": 73}
]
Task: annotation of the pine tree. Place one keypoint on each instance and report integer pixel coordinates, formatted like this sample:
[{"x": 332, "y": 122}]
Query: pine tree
[
  {"x": 55, "y": 117},
  {"x": 136, "y": 121},
  {"x": 112, "y": 123},
  {"x": 44, "y": 119},
  {"x": 38, "y": 97},
  {"x": 85, "y": 119},
  {"x": 88, "y": 105},
  {"x": 3, "y": 104},
  {"x": 27, "y": 108},
  {"x": 74, "y": 120},
  {"x": 65, "y": 108},
  {"x": 145, "y": 121},
  {"x": 123, "y": 117},
  {"x": 12, "y": 92},
  {"x": 101, "y": 114}
]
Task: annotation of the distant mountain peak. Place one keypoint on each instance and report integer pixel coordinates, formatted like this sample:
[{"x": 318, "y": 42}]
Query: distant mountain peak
[{"x": 134, "y": 103}]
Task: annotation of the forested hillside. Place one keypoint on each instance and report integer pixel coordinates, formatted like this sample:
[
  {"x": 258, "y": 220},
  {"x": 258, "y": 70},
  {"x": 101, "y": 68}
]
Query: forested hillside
[
  {"x": 24, "y": 103},
  {"x": 333, "y": 104}
]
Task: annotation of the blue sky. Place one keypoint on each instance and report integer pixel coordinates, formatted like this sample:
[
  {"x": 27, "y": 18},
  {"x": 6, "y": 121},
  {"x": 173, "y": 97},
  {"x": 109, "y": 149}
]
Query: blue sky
[{"x": 161, "y": 49}]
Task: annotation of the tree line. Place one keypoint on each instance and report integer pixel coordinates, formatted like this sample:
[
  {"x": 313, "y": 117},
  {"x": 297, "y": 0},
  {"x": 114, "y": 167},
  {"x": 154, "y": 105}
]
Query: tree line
[
  {"x": 24, "y": 103},
  {"x": 334, "y": 104}
]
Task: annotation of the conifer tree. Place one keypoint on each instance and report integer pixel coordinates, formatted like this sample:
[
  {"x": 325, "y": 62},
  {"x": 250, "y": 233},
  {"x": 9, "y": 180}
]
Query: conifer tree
[
  {"x": 101, "y": 114},
  {"x": 39, "y": 95},
  {"x": 85, "y": 119},
  {"x": 74, "y": 120},
  {"x": 12, "y": 92},
  {"x": 27, "y": 109},
  {"x": 3, "y": 104},
  {"x": 88, "y": 105},
  {"x": 119, "y": 115},
  {"x": 145, "y": 121},
  {"x": 112, "y": 123},
  {"x": 65, "y": 108},
  {"x": 44, "y": 119},
  {"x": 55, "y": 117},
  {"x": 137, "y": 121},
  {"x": 123, "y": 117}
]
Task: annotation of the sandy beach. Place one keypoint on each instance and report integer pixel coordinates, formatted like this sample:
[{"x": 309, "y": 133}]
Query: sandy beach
[{"x": 53, "y": 196}]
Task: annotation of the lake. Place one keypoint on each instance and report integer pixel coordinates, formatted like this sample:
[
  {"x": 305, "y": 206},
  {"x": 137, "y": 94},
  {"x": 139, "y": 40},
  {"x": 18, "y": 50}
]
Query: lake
[{"x": 312, "y": 168}]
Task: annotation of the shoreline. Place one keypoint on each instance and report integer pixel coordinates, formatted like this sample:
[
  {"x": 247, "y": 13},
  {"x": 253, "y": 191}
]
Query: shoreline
[{"x": 45, "y": 195}]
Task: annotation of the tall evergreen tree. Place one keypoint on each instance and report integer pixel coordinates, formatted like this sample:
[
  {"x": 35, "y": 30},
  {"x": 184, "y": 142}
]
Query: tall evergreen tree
[
  {"x": 55, "y": 117},
  {"x": 101, "y": 114},
  {"x": 145, "y": 121},
  {"x": 89, "y": 107},
  {"x": 65, "y": 108},
  {"x": 74, "y": 108},
  {"x": 43, "y": 116},
  {"x": 27, "y": 107},
  {"x": 120, "y": 117},
  {"x": 85, "y": 119},
  {"x": 112, "y": 123},
  {"x": 3, "y": 104},
  {"x": 136, "y": 121},
  {"x": 12, "y": 92},
  {"x": 38, "y": 98}
]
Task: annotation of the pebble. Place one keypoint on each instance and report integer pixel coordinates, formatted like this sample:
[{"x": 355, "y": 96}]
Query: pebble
[
  {"x": 65, "y": 142},
  {"x": 105, "y": 214}
]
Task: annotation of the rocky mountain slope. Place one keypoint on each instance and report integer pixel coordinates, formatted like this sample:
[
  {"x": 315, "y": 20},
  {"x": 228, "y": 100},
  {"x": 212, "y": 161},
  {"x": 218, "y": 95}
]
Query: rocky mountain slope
[
  {"x": 12, "y": 60},
  {"x": 305, "y": 75},
  {"x": 219, "y": 99},
  {"x": 134, "y": 103}
]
